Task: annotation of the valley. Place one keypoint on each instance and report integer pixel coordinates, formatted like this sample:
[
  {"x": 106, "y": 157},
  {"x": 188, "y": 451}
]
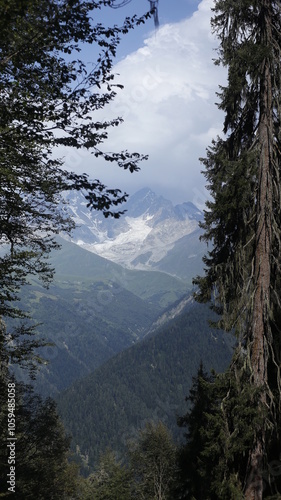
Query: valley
[
  {"x": 148, "y": 381},
  {"x": 93, "y": 310},
  {"x": 125, "y": 336}
]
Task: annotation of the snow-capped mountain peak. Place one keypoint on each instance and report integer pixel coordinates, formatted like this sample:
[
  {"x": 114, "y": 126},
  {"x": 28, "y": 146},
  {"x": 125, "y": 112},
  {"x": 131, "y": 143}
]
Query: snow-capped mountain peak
[{"x": 142, "y": 237}]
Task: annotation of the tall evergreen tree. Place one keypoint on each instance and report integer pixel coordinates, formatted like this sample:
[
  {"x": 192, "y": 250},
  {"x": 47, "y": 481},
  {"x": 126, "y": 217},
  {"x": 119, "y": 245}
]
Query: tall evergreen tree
[
  {"x": 194, "y": 479},
  {"x": 243, "y": 218},
  {"x": 40, "y": 450},
  {"x": 222, "y": 423}
]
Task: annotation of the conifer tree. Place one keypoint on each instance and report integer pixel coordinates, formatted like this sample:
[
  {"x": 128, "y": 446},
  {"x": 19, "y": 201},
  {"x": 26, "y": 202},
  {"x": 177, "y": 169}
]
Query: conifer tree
[
  {"x": 243, "y": 217},
  {"x": 194, "y": 480},
  {"x": 40, "y": 449},
  {"x": 222, "y": 423}
]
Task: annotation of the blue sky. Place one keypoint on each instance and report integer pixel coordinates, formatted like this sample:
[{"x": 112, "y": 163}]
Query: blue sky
[
  {"x": 169, "y": 11},
  {"x": 168, "y": 101}
]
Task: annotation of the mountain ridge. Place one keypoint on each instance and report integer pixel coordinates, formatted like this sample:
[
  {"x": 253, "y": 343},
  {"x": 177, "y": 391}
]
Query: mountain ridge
[
  {"x": 148, "y": 231},
  {"x": 93, "y": 309},
  {"x": 148, "y": 381}
]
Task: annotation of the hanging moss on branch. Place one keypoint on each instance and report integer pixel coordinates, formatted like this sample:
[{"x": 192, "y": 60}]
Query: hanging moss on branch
[{"x": 243, "y": 216}]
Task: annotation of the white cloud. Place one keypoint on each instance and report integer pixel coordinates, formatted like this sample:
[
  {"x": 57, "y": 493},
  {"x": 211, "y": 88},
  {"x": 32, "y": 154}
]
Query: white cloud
[{"x": 168, "y": 105}]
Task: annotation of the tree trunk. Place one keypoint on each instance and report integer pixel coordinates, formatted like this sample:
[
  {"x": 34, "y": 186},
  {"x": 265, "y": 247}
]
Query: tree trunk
[{"x": 261, "y": 303}]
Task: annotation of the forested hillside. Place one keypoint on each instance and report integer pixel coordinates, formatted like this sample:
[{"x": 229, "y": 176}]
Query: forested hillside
[
  {"x": 147, "y": 381},
  {"x": 93, "y": 310},
  {"x": 81, "y": 334}
]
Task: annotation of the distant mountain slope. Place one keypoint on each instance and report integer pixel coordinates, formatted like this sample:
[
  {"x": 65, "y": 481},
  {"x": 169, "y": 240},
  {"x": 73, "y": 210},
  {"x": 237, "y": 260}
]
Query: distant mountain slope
[
  {"x": 87, "y": 326},
  {"x": 93, "y": 310},
  {"x": 75, "y": 265},
  {"x": 142, "y": 237},
  {"x": 185, "y": 258},
  {"x": 147, "y": 381}
]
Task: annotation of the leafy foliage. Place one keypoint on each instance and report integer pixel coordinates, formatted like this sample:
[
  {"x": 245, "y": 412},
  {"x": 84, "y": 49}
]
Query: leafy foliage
[
  {"x": 111, "y": 480},
  {"x": 148, "y": 472},
  {"x": 48, "y": 100},
  {"x": 153, "y": 464},
  {"x": 41, "y": 446}
]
